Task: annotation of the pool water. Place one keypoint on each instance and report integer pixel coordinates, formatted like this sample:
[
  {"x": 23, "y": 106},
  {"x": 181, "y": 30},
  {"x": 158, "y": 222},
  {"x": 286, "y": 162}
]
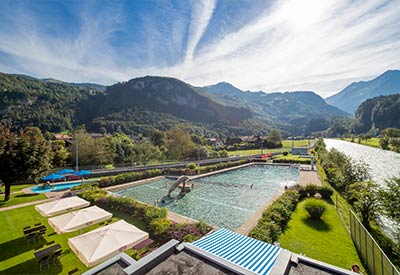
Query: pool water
[
  {"x": 226, "y": 199},
  {"x": 55, "y": 187}
]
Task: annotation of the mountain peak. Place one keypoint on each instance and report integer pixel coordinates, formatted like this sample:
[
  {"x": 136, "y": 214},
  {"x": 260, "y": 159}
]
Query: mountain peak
[
  {"x": 354, "y": 94},
  {"x": 222, "y": 88}
]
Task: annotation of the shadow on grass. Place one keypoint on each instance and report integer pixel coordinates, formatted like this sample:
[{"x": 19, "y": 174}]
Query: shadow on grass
[
  {"x": 13, "y": 248},
  {"x": 25, "y": 195},
  {"x": 32, "y": 267},
  {"x": 319, "y": 225}
]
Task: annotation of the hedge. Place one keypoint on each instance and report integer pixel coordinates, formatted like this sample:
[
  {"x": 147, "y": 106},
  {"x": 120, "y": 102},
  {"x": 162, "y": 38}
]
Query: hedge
[
  {"x": 141, "y": 211},
  {"x": 275, "y": 218},
  {"x": 292, "y": 160},
  {"x": 311, "y": 190},
  {"x": 129, "y": 177},
  {"x": 154, "y": 217}
]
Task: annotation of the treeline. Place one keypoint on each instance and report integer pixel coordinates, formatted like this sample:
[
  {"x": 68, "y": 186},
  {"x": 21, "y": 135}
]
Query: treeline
[
  {"x": 352, "y": 180},
  {"x": 378, "y": 113},
  {"x": 51, "y": 106}
]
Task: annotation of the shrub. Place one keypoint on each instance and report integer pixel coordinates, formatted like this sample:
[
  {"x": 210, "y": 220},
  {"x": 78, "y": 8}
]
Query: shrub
[
  {"x": 152, "y": 212},
  {"x": 190, "y": 238},
  {"x": 159, "y": 226},
  {"x": 191, "y": 166},
  {"x": 129, "y": 177},
  {"x": 180, "y": 232},
  {"x": 266, "y": 231},
  {"x": 275, "y": 217},
  {"x": 311, "y": 189},
  {"x": 315, "y": 208},
  {"x": 326, "y": 192},
  {"x": 93, "y": 195},
  {"x": 285, "y": 153}
]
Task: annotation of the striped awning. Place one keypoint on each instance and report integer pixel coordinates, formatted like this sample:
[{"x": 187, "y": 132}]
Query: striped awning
[{"x": 248, "y": 253}]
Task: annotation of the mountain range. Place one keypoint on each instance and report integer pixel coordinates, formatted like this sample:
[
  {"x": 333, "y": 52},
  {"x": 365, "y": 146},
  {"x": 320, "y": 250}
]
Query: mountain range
[
  {"x": 143, "y": 104},
  {"x": 353, "y": 95}
]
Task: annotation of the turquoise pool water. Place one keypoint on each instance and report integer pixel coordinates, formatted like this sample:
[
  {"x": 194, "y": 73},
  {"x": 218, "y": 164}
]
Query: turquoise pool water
[
  {"x": 226, "y": 199},
  {"x": 56, "y": 187}
]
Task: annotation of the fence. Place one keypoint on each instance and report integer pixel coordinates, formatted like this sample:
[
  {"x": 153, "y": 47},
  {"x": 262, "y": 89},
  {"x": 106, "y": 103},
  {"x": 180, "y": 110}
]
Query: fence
[{"x": 377, "y": 262}]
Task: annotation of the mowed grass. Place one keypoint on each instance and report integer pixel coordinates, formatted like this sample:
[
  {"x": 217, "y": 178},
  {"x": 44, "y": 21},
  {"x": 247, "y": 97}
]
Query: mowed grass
[
  {"x": 325, "y": 240},
  {"x": 19, "y": 187},
  {"x": 372, "y": 142},
  {"x": 19, "y": 198},
  {"x": 16, "y": 256},
  {"x": 286, "y": 145}
]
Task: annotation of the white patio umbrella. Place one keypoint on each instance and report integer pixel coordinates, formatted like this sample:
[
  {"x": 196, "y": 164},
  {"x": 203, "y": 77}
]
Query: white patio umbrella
[
  {"x": 105, "y": 242},
  {"x": 53, "y": 208},
  {"x": 76, "y": 220}
]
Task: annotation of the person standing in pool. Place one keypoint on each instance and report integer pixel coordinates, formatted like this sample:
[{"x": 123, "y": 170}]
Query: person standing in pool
[{"x": 251, "y": 186}]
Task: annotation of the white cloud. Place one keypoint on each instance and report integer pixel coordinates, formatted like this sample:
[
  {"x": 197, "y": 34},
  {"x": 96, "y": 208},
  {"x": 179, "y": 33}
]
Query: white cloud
[
  {"x": 202, "y": 12},
  {"x": 319, "y": 45}
]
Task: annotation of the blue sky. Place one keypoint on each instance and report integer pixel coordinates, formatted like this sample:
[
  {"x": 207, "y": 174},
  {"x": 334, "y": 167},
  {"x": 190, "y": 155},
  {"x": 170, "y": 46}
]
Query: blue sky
[{"x": 318, "y": 45}]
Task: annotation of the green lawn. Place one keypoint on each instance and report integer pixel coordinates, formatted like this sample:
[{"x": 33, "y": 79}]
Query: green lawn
[
  {"x": 291, "y": 157},
  {"x": 19, "y": 187},
  {"x": 19, "y": 198},
  {"x": 286, "y": 145},
  {"x": 16, "y": 256},
  {"x": 372, "y": 142},
  {"x": 325, "y": 240}
]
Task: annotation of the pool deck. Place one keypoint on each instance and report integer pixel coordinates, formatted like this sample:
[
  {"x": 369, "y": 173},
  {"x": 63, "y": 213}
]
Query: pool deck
[
  {"x": 176, "y": 218},
  {"x": 309, "y": 177},
  {"x": 306, "y": 177},
  {"x": 252, "y": 221}
]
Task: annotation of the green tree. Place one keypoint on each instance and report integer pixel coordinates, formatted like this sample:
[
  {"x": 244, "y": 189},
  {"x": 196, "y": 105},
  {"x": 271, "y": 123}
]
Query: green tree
[
  {"x": 24, "y": 154},
  {"x": 91, "y": 151},
  {"x": 275, "y": 136},
  {"x": 391, "y": 202},
  {"x": 384, "y": 143},
  {"x": 364, "y": 196},
  {"x": 158, "y": 138},
  {"x": 60, "y": 153},
  {"x": 145, "y": 152},
  {"x": 179, "y": 143},
  {"x": 395, "y": 144}
]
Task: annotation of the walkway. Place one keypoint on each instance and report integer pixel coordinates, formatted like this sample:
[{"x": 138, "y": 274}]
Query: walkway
[
  {"x": 252, "y": 221},
  {"x": 309, "y": 177},
  {"x": 23, "y": 204},
  {"x": 176, "y": 218}
]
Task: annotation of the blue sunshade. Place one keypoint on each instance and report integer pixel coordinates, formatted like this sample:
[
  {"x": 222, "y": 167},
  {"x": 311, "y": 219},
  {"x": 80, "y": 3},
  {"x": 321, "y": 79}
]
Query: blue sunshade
[{"x": 251, "y": 254}]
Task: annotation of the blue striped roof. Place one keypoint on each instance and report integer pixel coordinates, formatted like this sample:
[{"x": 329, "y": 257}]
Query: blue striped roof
[{"x": 251, "y": 254}]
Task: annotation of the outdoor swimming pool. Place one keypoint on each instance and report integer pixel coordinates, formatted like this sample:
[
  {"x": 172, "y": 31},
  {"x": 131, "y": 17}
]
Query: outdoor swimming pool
[
  {"x": 226, "y": 199},
  {"x": 57, "y": 187}
]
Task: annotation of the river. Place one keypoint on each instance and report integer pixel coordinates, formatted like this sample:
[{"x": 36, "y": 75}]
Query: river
[{"x": 383, "y": 164}]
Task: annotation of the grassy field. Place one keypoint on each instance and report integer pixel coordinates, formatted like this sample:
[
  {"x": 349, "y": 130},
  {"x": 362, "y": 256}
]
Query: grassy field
[
  {"x": 325, "y": 240},
  {"x": 372, "y": 142},
  {"x": 16, "y": 256},
  {"x": 286, "y": 145},
  {"x": 19, "y": 187},
  {"x": 19, "y": 198}
]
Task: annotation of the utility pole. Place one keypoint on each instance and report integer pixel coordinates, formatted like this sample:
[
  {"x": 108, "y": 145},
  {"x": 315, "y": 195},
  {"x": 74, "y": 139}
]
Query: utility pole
[
  {"x": 292, "y": 140},
  {"x": 198, "y": 159},
  {"x": 77, "y": 155}
]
